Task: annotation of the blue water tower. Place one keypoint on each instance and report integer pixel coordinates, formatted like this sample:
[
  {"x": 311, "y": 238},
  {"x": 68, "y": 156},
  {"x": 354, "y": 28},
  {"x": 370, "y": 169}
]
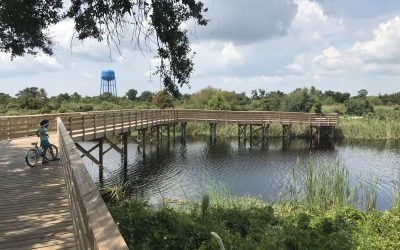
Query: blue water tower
[{"x": 108, "y": 83}]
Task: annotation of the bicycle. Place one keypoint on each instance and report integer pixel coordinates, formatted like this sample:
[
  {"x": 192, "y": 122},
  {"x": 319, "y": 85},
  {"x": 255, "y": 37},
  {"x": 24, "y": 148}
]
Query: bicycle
[{"x": 33, "y": 154}]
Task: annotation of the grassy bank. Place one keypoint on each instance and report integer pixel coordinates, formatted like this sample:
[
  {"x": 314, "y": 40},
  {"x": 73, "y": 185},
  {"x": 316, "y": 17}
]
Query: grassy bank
[
  {"x": 319, "y": 211},
  {"x": 368, "y": 128},
  {"x": 383, "y": 123},
  {"x": 255, "y": 225}
]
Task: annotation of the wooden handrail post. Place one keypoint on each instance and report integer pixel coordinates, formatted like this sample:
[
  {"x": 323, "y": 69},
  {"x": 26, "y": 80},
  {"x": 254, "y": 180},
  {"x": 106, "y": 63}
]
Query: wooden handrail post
[
  {"x": 130, "y": 120},
  {"x": 94, "y": 129},
  {"x": 141, "y": 119},
  {"x": 122, "y": 121},
  {"x": 70, "y": 125},
  {"x": 114, "y": 123},
  {"x": 105, "y": 125},
  {"x": 83, "y": 125},
  {"x": 27, "y": 126}
]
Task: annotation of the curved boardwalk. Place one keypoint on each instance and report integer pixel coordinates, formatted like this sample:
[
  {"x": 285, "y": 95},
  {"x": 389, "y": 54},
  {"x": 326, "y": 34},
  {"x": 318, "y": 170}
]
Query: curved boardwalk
[{"x": 34, "y": 207}]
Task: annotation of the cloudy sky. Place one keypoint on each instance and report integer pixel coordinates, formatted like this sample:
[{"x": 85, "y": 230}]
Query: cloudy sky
[{"x": 340, "y": 45}]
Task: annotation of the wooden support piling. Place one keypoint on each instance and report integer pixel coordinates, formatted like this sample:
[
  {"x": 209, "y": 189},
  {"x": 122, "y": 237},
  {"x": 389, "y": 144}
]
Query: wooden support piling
[
  {"x": 244, "y": 135},
  {"x": 174, "y": 132},
  {"x": 251, "y": 135},
  {"x": 158, "y": 139},
  {"x": 183, "y": 132},
  {"x": 168, "y": 133},
  {"x": 125, "y": 155},
  {"x": 101, "y": 166}
]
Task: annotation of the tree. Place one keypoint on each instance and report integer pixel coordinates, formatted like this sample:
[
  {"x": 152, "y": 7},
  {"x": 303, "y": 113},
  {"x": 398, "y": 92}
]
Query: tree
[
  {"x": 146, "y": 96},
  {"x": 337, "y": 96},
  {"x": 362, "y": 93},
  {"x": 64, "y": 97},
  {"x": 76, "y": 97},
  {"x": 4, "y": 98},
  {"x": 299, "y": 101},
  {"x": 317, "y": 108},
  {"x": 24, "y": 24},
  {"x": 163, "y": 99},
  {"x": 254, "y": 95},
  {"x": 131, "y": 94},
  {"x": 31, "y": 98},
  {"x": 218, "y": 102},
  {"x": 390, "y": 98},
  {"x": 358, "y": 106}
]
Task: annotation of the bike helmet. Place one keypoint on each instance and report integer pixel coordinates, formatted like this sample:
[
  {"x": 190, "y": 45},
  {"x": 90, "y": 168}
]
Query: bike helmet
[{"x": 44, "y": 122}]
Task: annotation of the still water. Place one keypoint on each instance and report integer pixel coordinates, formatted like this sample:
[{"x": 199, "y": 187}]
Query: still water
[{"x": 185, "y": 171}]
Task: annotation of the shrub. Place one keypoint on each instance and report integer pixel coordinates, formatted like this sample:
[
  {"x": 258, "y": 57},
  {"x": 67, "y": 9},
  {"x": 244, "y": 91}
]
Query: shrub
[{"x": 358, "y": 106}]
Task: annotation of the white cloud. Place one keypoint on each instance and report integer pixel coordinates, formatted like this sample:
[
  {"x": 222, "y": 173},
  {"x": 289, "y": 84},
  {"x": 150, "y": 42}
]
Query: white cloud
[
  {"x": 311, "y": 21},
  {"x": 246, "y": 22},
  {"x": 215, "y": 57},
  {"x": 62, "y": 33},
  {"x": 362, "y": 62},
  {"x": 254, "y": 82},
  {"x": 27, "y": 65},
  {"x": 89, "y": 49},
  {"x": 229, "y": 54},
  {"x": 384, "y": 45}
]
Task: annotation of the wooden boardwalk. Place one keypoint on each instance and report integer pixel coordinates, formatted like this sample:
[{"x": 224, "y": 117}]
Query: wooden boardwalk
[
  {"x": 34, "y": 206},
  {"x": 85, "y": 126}
]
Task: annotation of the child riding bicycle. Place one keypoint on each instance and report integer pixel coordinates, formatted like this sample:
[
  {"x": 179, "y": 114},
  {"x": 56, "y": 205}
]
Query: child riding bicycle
[{"x": 44, "y": 138}]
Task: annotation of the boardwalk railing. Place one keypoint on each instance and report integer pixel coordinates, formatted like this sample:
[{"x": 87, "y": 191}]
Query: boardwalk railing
[
  {"x": 93, "y": 224},
  {"x": 93, "y": 125}
]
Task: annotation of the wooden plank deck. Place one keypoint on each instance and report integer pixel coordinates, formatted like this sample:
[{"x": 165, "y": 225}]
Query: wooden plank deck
[{"x": 34, "y": 207}]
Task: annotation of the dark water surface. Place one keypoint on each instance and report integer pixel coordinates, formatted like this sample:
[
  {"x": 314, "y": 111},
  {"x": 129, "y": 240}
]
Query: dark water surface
[{"x": 185, "y": 171}]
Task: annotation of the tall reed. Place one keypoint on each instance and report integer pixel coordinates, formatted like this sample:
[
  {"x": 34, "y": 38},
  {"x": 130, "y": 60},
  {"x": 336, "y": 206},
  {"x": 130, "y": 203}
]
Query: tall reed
[
  {"x": 231, "y": 130},
  {"x": 325, "y": 185},
  {"x": 365, "y": 128}
]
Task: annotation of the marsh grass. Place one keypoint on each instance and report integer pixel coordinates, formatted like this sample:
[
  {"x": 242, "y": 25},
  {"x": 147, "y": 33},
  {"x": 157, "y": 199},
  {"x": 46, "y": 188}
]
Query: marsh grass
[
  {"x": 231, "y": 130},
  {"x": 325, "y": 185},
  {"x": 364, "y": 128},
  {"x": 322, "y": 212}
]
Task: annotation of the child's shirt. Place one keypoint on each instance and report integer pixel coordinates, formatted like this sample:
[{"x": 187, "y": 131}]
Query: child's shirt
[{"x": 43, "y": 134}]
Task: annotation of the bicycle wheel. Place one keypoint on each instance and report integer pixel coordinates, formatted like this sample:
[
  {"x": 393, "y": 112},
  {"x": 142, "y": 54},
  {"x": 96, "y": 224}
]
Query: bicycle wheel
[
  {"x": 51, "y": 153},
  {"x": 31, "y": 157}
]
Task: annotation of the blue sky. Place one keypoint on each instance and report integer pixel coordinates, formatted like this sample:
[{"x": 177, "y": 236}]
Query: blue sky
[{"x": 270, "y": 44}]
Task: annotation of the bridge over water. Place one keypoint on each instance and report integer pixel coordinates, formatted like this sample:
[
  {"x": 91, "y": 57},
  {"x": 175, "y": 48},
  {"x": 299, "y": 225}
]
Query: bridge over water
[{"x": 58, "y": 206}]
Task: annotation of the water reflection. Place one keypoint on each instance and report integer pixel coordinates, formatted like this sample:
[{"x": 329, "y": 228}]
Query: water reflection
[{"x": 184, "y": 170}]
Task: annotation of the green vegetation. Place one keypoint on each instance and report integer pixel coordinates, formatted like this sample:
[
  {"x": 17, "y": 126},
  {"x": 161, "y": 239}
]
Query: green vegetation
[
  {"x": 362, "y": 116},
  {"x": 383, "y": 123},
  {"x": 319, "y": 212}
]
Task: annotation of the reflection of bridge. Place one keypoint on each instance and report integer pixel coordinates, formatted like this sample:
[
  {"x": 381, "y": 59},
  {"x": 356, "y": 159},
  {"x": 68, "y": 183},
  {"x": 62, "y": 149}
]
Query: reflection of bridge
[{"x": 93, "y": 226}]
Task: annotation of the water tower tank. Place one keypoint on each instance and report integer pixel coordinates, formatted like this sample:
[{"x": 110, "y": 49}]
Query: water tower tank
[{"x": 108, "y": 83}]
